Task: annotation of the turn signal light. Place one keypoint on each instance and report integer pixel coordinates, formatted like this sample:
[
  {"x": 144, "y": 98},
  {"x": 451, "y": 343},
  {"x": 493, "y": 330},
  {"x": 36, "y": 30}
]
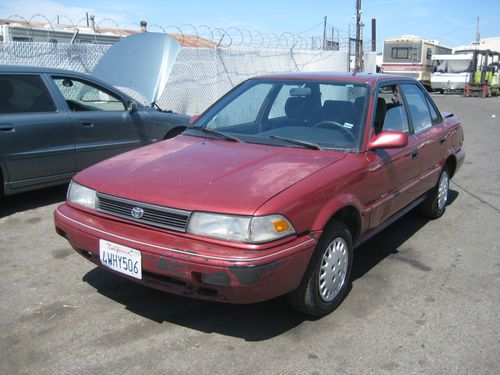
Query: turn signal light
[{"x": 281, "y": 226}]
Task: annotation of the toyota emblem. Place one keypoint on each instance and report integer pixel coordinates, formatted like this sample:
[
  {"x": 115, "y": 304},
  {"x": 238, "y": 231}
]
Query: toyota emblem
[{"x": 137, "y": 212}]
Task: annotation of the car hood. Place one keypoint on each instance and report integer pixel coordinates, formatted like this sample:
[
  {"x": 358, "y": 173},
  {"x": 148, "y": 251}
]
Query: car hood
[
  {"x": 140, "y": 64},
  {"x": 200, "y": 174}
]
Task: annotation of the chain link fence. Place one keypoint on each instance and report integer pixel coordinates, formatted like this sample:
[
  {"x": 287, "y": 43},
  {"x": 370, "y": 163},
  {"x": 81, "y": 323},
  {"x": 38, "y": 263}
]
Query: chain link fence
[
  {"x": 199, "y": 76},
  {"x": 79, "y": 57},
  {"x": 202, "y": 75}
]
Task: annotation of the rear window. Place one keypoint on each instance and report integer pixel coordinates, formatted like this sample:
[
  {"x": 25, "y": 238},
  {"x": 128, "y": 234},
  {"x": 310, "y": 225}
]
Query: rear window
[{"x": 24, "y": 94}]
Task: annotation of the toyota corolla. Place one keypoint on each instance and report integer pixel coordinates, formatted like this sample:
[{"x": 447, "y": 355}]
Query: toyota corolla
[{"x": 270, "y": 190}]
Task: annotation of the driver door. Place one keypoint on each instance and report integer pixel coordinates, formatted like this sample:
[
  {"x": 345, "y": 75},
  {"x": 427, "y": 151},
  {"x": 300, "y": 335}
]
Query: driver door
[{"x": 394, "y": 173}]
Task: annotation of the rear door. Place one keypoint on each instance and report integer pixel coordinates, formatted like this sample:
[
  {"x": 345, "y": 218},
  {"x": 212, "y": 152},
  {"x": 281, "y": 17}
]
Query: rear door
[
  {"x": 103, "y": 126},
  {"x": 36, "y": 137}
]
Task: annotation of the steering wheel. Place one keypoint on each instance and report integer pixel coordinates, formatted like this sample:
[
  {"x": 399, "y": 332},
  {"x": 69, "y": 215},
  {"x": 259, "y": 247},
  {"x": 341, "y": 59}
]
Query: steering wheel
[{"x": 335, "y": 125}]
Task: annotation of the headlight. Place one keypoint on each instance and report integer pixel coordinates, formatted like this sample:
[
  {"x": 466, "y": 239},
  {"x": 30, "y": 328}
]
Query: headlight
[
  {"x": 250, "y": 229},
  {"x": 81, "y": 195}
]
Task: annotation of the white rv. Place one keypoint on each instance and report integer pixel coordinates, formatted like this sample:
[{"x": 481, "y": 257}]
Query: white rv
[{"x": 411, "y": 56}]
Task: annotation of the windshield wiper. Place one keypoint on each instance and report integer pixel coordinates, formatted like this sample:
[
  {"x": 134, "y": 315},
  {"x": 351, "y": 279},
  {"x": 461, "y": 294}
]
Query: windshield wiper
[
  {"x": 312, "y": 146},
  {"x": 216, "y": 133}
]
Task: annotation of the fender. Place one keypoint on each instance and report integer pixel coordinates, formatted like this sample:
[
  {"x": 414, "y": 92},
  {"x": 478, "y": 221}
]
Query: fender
[{"x": 335, "y": 205}]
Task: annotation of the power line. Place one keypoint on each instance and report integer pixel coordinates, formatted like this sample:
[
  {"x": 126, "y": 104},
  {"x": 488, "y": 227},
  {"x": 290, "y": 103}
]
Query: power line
[
  {"x": 458, "y": 28},
  {"x": 309, "y": 29}
]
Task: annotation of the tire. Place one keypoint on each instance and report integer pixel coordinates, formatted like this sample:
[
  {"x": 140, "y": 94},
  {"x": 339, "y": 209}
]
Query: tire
[
  {"x": 434, "y": 205},
  {"x": 327, "y": 277}
]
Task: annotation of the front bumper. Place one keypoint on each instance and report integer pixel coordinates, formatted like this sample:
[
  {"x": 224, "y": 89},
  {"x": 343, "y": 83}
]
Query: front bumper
[{"x": 190, "y": 267}]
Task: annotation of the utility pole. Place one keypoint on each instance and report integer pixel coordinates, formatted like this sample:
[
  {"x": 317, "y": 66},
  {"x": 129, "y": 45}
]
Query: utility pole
[
  {"x": 357, "y": 61},
  {"x": 374, "y": 35},
  {"x": 478, "y": 36},
  {"x": 324, "y": 33}
]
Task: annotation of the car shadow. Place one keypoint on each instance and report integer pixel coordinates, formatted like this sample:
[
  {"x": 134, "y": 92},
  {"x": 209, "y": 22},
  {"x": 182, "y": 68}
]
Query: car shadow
[
  {"x": 387, "y": 242},
  {"x": 12, "y": 204},
  {"x": 253, "y": 322}
]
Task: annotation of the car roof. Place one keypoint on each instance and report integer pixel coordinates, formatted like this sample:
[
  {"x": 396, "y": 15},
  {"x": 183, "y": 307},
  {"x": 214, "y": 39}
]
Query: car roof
[
  {"x": 38, "y": 69},
  {"x": 370, "y": 78},
  {"x": 23, "y": 69}
]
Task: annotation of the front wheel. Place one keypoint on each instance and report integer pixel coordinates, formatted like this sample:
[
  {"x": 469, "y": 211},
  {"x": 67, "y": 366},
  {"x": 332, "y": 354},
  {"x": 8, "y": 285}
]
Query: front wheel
[
  {"x": 326, "y": 280},
  {"x": 434, "y": 205}
]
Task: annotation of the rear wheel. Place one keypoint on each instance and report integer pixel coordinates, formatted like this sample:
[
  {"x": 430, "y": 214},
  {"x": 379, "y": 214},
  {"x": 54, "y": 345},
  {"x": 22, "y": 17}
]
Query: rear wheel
[
  {"x": 326, "y": 280},
  {"x": 435, "y": 204}
]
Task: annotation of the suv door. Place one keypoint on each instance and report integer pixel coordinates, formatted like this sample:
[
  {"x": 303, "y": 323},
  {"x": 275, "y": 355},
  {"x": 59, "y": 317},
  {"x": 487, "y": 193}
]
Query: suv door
[
  {"x": 102, "y": 124},
  {"x": 36, "y": 138},
  {"x": 429, "y": 129}
]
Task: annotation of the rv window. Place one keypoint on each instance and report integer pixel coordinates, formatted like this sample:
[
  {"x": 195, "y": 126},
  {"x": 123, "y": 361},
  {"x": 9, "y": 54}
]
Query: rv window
[
  {"x": 429, "y": 53},
  {"x": 400, "y": 53}
]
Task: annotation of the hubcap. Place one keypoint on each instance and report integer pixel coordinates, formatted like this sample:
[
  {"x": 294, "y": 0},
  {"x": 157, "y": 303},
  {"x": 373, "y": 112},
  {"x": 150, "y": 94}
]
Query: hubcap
[
  {"x": 333, "y": 269},
  {"x": 443, "y": 190}
]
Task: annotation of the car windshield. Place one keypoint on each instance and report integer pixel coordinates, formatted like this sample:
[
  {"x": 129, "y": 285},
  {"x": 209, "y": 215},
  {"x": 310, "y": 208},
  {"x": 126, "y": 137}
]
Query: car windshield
[{"x": 292, "y": 113}]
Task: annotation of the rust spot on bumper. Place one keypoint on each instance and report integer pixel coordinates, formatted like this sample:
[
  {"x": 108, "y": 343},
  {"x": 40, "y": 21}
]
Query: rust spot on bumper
[{"x": 252, "y": 275}]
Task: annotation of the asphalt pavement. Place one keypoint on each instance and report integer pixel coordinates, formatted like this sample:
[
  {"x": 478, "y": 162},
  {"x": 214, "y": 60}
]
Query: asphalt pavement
[{"x": 425, "y": 296}]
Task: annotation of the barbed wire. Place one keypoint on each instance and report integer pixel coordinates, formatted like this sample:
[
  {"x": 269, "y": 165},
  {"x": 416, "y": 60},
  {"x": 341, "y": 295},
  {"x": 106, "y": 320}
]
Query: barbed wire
[{"x": 209, "y": 36}]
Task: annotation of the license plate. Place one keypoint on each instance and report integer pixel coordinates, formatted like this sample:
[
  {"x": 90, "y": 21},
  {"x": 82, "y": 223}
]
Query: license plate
[{"x": 121, "y": 258}]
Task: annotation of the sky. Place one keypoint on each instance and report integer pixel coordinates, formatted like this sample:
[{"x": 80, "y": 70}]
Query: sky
[{"x": 451, "y": 22}]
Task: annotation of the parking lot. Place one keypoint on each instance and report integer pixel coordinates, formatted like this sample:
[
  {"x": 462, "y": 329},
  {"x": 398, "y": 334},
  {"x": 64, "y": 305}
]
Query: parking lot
[{"x": 424, "y": 298}]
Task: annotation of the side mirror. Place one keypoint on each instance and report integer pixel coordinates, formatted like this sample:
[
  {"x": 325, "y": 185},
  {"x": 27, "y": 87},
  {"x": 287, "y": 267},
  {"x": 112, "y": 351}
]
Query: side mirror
[
  {"x": 132, "y": 106},
  {"x": 193, "y": 119},
  {"x": 388, "y": 139}
]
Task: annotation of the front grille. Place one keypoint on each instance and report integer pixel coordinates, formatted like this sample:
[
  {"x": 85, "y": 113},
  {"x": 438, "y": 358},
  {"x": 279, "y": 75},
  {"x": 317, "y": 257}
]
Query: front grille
[{"x": 157, "y": 216}]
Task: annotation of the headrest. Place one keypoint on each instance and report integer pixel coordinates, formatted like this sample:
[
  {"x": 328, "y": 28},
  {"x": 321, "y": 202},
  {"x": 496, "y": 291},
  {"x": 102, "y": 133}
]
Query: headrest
[
  {"x": 337, "y": 108},
  {"x": 297, "y": 107}
]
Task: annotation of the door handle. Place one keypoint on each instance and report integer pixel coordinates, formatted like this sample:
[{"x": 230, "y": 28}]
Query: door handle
[
  {"x": 87, "y": 123},
  {"x": 7, "y": 128},
  {"x": 414, "y": 154}
]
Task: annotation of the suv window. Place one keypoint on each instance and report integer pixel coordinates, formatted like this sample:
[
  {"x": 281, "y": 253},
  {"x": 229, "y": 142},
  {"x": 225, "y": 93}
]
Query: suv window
[
  {"x": 24, "y": 94},
  {"x": 417, "y": 106},
  {"x": 82, "y": 96}
]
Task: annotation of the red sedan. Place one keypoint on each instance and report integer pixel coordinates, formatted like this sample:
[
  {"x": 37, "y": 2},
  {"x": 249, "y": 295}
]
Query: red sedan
[{"x": 269, "y": 191}]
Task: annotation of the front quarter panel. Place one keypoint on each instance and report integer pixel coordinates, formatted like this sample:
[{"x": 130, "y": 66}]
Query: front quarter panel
[
  {"x": 312, "y": 202},
  {"x": 161, "y": 123}
]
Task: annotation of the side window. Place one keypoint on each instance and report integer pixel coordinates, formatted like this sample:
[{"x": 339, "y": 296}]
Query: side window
[
  {"x": 400, "y": 53},
  {"x": 435, "y": 116},
  {"x": 24, "y": 94},
  {"x": 82, "y": 96},
  {"x": 417, "y": 106},
  {"x": 390, "y": 113}
]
